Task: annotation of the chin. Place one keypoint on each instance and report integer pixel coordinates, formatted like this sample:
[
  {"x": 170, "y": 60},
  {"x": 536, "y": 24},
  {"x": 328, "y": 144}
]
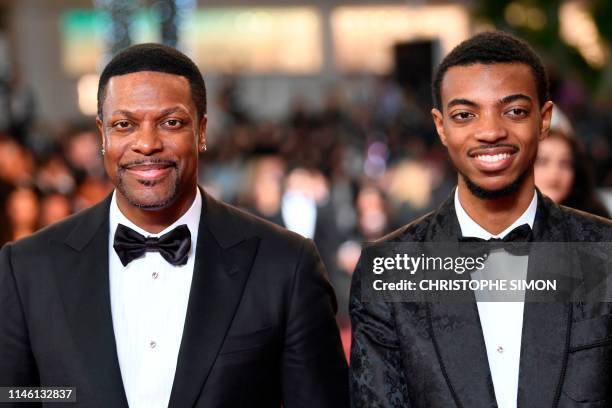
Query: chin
[
  {"x": 493, "y": 186},
  {"x": 150, "y": 203},
  {"x": 488, "y": 190},
  {"x": 149, "y": 198}
]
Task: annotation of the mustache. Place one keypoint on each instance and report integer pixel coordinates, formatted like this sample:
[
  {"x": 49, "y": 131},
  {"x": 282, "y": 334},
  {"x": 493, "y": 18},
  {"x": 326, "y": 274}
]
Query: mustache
[
  {"x": 148, "y": 162},
  {"x": 493, "y": 146}
]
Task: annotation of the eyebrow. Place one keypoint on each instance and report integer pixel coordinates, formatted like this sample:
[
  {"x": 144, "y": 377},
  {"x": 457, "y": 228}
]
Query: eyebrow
[
  {"x": 461, "y": 101},
  {"x": 172, "y": 110},
  {"x": 121, "y": 112},
  {"x": 503, "y": 101},
  {"x": 515, "y": 97},
  {"x": 165, "y": 112}
]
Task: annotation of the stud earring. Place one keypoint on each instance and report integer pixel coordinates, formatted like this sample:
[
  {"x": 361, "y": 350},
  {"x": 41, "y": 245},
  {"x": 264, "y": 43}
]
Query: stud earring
[{"x": 103, "y": 151}]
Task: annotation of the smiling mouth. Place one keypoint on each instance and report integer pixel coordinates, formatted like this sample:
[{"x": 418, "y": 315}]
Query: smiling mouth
[
  {"x": 149, "y": 171},
  {"x": 494, "y": 158}
]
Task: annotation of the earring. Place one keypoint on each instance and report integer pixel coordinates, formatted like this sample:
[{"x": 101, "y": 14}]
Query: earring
[
  {"x": 203, "y": 146},
  {"x": 103, "y": 151}
]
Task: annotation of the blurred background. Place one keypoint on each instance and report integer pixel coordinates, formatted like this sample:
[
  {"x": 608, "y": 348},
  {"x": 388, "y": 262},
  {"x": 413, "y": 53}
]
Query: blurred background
[{"x": 318, "y": 111}]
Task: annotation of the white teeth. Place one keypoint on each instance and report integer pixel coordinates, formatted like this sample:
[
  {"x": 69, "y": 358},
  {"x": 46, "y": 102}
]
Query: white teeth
[{"x": 493, "y": 158}]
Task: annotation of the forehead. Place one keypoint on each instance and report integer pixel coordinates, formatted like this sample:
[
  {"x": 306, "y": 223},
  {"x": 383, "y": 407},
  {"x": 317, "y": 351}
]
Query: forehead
[
  {"x": 147, "y": 90},
  {"x": 483, "y": 83}
]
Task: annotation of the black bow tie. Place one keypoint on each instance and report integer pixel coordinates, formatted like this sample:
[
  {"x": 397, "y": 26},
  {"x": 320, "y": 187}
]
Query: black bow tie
[
  {"x": 173, "y": 246},
  {"x": 515, "y": 242}
]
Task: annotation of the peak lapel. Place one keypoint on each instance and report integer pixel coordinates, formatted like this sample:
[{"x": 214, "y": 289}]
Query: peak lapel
[
  {"x": 455, "y": 325},
  {"x": 546, "y": 326},
  {"x": 222, "y": 266},
  {"x": 460, "y": 346},
  {"x": 81, "y": 265}
]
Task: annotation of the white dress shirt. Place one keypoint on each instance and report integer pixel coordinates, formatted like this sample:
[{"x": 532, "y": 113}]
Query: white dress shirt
[
  {"x": 149, "y": 300},
  {"x": 501, "y": 322}
]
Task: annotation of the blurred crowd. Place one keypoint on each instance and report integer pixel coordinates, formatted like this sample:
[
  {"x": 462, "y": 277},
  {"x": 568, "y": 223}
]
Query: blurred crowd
[{"x": 349, "y": 171}]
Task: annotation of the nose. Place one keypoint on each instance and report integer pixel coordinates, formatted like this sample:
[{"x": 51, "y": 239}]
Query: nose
[
  {"x": 147, "y": 141},
  {"x": 491, "y": 129}
]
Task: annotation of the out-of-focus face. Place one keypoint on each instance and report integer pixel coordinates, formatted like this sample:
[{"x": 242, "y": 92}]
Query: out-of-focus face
[
  {"x": 152, "y": 137},
  {"x": 54, "y": 208},
  {"x": 372, "y": 219},
  {"x": 22, "y": 207},
  {"x": 16, "y": 163},
  {"x": 267, "y": 184},
  {"x": 83, "y": 151},
  {"x": 554, "y": 168},
  {"x": 491, "y": 123}
]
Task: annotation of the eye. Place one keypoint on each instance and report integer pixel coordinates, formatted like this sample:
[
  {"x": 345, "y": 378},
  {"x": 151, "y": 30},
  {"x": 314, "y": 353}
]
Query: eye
[
  {"x": 173, "y": 123},
  {"x": 541, "y": 160},
  {"x": 518, "y": 113},
  {"x": 122, "y": 124},
  {"x": 462, "y": 116},
  {"x": 567, "y": 164}
]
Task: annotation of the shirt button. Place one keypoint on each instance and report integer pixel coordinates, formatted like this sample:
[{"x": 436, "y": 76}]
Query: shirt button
[
  {"x": 500, "y": 349},
  {"x": 152, "y": 344},
  {"x": 155, "y": 275}
]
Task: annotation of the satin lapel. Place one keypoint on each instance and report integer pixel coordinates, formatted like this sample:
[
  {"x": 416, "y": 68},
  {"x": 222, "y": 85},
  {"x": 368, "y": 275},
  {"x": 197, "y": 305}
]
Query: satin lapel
[
  {"x": 546, "y": 326},
  {"x": 456, "y": 329},
  {"x": 81, "y": 265},
  {"x": 222, "y": 266},
  {"x": 462, "y": 352}
]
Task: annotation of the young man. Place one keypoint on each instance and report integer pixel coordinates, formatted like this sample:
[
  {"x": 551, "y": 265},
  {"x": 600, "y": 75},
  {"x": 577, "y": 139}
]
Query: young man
[
  {"x": 491, "y": 110},
  {"x": 160, "y": 295}
]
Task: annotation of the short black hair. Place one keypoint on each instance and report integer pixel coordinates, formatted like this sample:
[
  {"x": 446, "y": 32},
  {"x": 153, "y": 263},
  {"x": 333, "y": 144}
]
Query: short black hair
[
  {"x": 492, "y": 47},
  {"x": 158, "y": 58}
]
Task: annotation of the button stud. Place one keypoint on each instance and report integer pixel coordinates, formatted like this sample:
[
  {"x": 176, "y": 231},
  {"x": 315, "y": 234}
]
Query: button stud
[
  {"x": 155, "y": 275},
  {"x": 500, "y": 349},
  {"x": 153, "y": 344}
]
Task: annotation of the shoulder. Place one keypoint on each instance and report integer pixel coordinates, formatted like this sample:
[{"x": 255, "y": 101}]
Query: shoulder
[
  {"x": 415, "y": 231},
  {"x": 282, "y": 256},
  {"x": 82, "y": 223},
  {"x": 583, "y": 226},
  {"x": 438, "y": 225},
  {"x": 271, "y": 236}
]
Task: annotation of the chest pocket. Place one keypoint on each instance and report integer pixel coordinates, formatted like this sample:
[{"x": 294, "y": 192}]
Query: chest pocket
[{"x": 588, "y": 376}]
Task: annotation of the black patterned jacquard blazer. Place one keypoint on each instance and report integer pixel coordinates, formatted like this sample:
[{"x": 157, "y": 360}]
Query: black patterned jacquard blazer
[{"x": 433, "y": 354}]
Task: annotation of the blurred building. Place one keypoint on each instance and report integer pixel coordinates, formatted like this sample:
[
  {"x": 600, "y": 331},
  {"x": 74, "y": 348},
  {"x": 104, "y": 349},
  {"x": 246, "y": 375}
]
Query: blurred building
[{"x": 281, "y": 48}]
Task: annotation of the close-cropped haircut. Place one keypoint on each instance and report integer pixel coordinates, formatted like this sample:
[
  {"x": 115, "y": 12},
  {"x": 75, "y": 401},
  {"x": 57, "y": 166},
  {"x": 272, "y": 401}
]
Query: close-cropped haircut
[
  {"x": 492, "y": 47},
  {"x": 157, "y": 58}
]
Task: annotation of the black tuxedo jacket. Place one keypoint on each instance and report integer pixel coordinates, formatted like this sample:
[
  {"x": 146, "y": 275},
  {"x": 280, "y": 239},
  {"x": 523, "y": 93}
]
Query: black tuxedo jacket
[
  {"x": 432, "y": 354},
  {"x": 259, "y": 330}
]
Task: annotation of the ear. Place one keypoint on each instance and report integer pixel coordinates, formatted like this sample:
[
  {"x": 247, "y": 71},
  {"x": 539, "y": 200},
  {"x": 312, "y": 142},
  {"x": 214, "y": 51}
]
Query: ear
[
  {"x": 100, "y": 126},
  {"x": 202, "y": 133},
  {"x": 546, "y": 117},
  {"x": 438, "y": 120}
]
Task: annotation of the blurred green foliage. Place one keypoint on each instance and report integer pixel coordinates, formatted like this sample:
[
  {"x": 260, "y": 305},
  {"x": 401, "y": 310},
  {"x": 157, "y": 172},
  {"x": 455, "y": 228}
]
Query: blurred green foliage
[{"x": 545, "y": 38}]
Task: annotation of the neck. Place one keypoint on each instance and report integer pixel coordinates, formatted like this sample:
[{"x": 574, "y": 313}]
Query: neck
[
  {"x": 155, "y": 221},
  {"x": 495, "y": 215}
]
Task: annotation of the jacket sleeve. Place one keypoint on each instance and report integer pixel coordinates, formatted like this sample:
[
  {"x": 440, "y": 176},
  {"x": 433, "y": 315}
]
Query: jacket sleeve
[
  {"x": 376, "y": 374},
  {"x": 17, "y": 365},
  {"x": 314, "y": 369}
]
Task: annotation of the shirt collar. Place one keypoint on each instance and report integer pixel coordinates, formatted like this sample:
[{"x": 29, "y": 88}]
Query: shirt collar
[
  {"x": 191, "y": 218},
  {"x": 470, "y": 228}
]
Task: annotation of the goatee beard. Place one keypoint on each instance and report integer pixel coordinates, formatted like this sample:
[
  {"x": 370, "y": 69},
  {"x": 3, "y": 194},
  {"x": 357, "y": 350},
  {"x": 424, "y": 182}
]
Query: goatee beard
[{"x": 485, "y": 194}]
